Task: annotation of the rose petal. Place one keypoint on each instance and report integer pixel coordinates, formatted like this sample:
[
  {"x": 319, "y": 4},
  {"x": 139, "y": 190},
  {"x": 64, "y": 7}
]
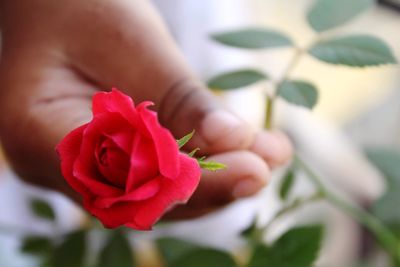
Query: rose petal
[
  {"x": 115, "y": 101},
  {"x": 113, "y": 125},
  {"x": 165, "y": 144},
  {"x": 144, "y": 192},
  {"x": 113, "y": 217},
  {"x": 122, "y": 139},
  {"x": 144, "y": 162},
  {"x": 85, "y": 168},
  {"x": 172, "y": 192},
  {"x": 68, "y": 150},
  {"x": 85, "y": 174},
  {"x": 112, "y": 162},
  {"x": 101, "y": 126},
  {"x": 143, "y": 214}
]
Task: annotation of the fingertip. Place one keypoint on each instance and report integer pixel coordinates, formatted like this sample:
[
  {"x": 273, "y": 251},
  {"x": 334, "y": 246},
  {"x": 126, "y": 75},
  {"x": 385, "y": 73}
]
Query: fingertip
[
  {"x": 246, "y": 174},
  {"x": 247, "y": 187},
  {"x": 274, "y": 147},
  {"x": 223, "y": 131}
]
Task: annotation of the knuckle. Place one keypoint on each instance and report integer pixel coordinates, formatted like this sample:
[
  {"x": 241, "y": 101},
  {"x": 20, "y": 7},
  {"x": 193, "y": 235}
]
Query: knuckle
[{"x": 185, "y": 102}]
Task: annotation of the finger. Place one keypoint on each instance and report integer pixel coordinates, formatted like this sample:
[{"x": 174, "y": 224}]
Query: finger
[
  {"x": 245, "y": 175},
  {"x": 274, "y": 147},
  {"x": 137, "y": 54}
]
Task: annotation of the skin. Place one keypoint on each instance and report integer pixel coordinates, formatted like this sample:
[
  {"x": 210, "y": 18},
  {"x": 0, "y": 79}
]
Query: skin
[{"x": 55, "y": 56}]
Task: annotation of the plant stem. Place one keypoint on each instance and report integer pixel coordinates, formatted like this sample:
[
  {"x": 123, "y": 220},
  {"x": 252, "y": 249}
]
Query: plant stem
[
  {"x": 384, "y": 236},
  {"x": 292, "y": 65},
  {"x": 271, "y": 99},
  {"x": 269, "y": 113}
]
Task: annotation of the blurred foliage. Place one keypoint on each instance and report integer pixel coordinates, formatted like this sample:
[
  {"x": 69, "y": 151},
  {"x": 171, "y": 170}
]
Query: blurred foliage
[
  {"x": 116, "y": 252},
  {"x": 328, "y": 14},
  {"x": 42, "y": 209},
  {"x": 172, "y": 249},
  {"x": 236, "y": 79},
  {"x": 298, "y": 93},
  {"x": 297, "y": 247},
  {"x": 286, "y": 184},
  {"x": 36, "y": 245},
  {"x": 252, "y": 38},
  {"x": 353, "y": 51},
  {"x": 71, "y": 252}
]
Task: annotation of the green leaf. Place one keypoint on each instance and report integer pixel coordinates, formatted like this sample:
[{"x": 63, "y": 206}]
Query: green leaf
[
  {"x": 252, "y": 38},
  {"x": 252, "y": 233},
  {"x": 36, "y": 245},
  {"x": 327, "y": 14},
  {"x": 172, "y": 249},
  {"x": 116, "y": 252},
  {"x": 181, "y": 142},
  {"x": 42, "y": 209},
  {"x": 299, "y": 93},
  {"x": 262, "y": 257},
  {"x": 236, "y": 79},
  {"x": 354, "y": 51},
  {"x": 388, "y": 162},
  {"x": 286, "y": 185},
  {"x": 300, "y": 244},
  {"x": 71, "y": 252},
  {"x": 211, "y": 165},
  {"x": 297, "y": 247},
  {"x": 205, "y": 257},
  {"x": 248, "y": 231}
]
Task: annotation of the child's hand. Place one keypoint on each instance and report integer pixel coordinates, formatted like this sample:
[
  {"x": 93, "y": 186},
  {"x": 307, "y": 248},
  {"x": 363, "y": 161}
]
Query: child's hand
[{"x": 55, "y": 55}]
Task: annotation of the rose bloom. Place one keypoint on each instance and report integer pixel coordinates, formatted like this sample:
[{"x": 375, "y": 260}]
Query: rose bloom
[{"x": 126, "y": 166}]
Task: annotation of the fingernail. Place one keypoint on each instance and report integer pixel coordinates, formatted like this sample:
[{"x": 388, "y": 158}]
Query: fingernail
[
  {"x": 246, "y": 188},
  {"x": 218, "y": 123}
]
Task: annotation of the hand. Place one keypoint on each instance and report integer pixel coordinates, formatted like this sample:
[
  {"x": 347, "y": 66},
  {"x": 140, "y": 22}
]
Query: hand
[{"x": 55, "y": 56}]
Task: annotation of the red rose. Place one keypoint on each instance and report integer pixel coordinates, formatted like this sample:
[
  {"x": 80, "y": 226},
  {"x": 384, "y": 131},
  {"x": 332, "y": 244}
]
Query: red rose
[{"x": 126, "y": 166}]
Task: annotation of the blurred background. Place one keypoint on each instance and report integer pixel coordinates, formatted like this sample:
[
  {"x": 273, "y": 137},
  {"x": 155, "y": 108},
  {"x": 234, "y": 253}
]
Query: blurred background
[{"x": 357, "y": 108}]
